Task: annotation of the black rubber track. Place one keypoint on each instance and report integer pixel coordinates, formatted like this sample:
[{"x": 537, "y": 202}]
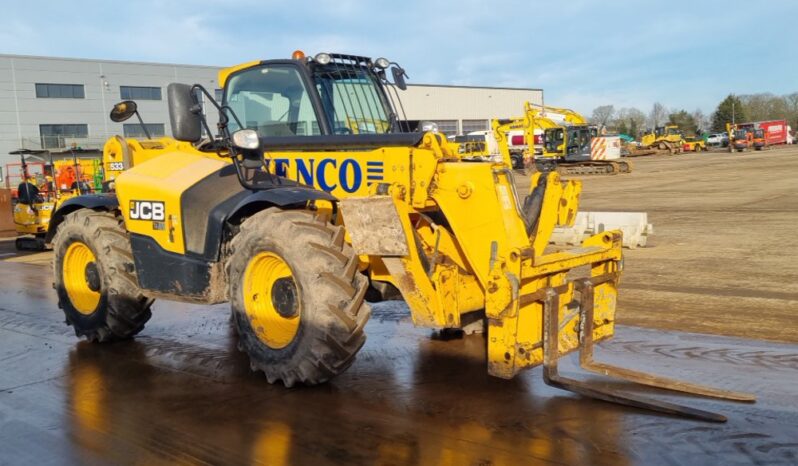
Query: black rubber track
[
  {"x": 123, "y": 309},
  {"x": 331, "y": 292}
]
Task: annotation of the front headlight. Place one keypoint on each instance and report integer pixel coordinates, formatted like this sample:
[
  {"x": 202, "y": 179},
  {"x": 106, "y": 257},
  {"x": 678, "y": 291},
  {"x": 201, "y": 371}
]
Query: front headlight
[
  {"x": 427, "y": 126},
  {"x": 246, "y": 139},
  {"x": 322, "y": 58},
  {"x": 382, "y": 63}
]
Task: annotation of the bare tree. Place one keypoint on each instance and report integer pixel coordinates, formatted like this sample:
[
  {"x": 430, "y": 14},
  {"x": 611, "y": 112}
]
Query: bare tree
[
  {"x": 631, "y": 119},
  {"x": 658, "y": 115},
  {"x": 765, "y": 106},
  {"x": 792, "y": 109},
  {"x": 792, "y": 103},
  {"x": 636, "y": 118},
  {"x": 701, "y": 120},
  {"x": 602, "y": 115}
]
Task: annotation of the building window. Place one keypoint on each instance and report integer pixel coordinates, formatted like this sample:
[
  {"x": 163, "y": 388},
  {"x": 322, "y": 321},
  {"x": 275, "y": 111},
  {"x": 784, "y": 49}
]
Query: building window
[
  {"x": 60, "y": 91},
  {"x": 447, "y": 127},
  {"x": 53, "y": 136},
  {"x": 218, "y": 93},
  {"x": 475, "y": 125},
  {"x": 140, "y": 93},
  {"x": 134, "y": 130},
  {"x": 302, "y": 128}
]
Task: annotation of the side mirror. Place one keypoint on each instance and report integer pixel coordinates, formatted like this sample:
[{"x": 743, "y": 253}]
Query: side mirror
[
  {"x": 399, "y": 77},
  {"x": 185, "y": 113},
  {"x": 123, "y": 111}
]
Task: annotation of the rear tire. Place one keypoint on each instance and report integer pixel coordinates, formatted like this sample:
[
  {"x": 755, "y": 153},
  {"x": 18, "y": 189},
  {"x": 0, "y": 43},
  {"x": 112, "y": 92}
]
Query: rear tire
[
  {"x": 95, "y": 278},
  {"x": 297, "y": 297}
]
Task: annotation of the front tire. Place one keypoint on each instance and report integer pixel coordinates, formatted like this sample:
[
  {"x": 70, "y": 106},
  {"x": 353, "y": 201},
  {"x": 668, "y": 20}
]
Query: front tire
[
  {"x": 297, "y": 296},
  {"x": 94, "y": 277}
]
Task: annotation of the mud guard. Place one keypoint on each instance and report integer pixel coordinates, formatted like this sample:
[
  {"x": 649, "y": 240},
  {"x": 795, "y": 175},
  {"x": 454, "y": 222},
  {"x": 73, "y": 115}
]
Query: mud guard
[{"x": 107, "y": 201}]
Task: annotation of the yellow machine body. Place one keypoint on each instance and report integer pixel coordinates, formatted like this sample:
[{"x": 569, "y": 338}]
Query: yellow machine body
[
  {"x": 668, "y": 134},
  {"x": 120, "y": 153},
  {"x": 32, "y": 220},
  {"x": 485, "y": 258},
  {"x": 695, "y": 145},
  {"x": 294, "y": 229}
]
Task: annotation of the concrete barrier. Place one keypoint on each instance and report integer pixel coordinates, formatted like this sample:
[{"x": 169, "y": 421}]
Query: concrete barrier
[{"x": 634, "y": 225}]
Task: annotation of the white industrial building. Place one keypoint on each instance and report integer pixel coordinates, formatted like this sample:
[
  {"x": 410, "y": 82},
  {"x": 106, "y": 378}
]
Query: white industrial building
[{"x": 54, "y": 103}]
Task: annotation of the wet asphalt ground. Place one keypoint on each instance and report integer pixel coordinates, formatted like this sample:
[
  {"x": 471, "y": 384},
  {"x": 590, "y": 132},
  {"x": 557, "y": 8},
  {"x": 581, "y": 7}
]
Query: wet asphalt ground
[{"x": 180, "y": 393}]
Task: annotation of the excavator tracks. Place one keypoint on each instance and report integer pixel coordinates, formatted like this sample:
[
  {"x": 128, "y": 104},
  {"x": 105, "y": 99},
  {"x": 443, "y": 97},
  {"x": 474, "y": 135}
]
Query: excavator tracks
[{"x": 594, "y": 168}]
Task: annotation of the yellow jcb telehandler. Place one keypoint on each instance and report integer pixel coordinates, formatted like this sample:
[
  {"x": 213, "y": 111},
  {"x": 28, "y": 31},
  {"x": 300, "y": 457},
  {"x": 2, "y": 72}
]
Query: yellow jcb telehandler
[{"x": 292, "y": 215}]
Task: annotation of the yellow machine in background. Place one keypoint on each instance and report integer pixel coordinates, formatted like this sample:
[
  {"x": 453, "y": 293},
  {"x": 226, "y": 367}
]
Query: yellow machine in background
[
  {"x": 295, "y": 230},
  {"x": 741, "y": 137},
  {"x": 31, "y": 220},
  {"x": 694, "y": 144},
  {"x": 669, "y": 135},
  {"x": 666, "y": 139},
  {"x": 501, "y": 128},
  {"x": 36, "y": 200},
  {"x": 569, "y": 142}
]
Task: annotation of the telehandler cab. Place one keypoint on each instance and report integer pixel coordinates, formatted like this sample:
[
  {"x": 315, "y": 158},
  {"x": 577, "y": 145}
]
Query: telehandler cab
[{"x": 309, "y": 197}]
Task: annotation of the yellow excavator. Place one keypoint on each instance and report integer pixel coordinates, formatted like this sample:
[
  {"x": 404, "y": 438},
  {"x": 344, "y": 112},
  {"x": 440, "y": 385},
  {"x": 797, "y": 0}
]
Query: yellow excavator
[
  {"x": 294, "y": 231},
  {"x": 501, "y": 128},
  {"x": 570, "y": 144}
]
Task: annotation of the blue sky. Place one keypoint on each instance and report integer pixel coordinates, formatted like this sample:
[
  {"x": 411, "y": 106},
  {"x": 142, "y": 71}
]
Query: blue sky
[{"x": 685, "y": 54}]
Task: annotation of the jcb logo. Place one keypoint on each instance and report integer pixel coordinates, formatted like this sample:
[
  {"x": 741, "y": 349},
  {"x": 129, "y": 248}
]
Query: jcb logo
[{"x": 147, "y": 210}]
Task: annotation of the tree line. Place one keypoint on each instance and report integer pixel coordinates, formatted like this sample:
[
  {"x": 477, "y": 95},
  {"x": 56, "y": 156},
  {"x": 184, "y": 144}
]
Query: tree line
[{"x": 734, "y": 108}]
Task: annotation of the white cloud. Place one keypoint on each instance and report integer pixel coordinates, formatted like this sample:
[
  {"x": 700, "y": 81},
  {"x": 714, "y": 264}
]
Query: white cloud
[{"x": 583, "y": 53}]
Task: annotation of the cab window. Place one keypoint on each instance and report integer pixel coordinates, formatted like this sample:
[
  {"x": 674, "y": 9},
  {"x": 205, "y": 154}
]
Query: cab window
[
  {"x": 351, "y": 100},
  {"x": 272, "y": 100}
]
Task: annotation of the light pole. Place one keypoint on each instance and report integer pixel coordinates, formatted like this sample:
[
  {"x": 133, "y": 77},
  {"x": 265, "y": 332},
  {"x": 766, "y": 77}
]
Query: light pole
[{"x": 731, "y": 129}]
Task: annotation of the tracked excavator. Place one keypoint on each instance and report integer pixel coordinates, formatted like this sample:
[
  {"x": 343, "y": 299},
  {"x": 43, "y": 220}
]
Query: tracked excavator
[
  {"x": 571, "y": 145},
  {"x": 293, "y": 215}
]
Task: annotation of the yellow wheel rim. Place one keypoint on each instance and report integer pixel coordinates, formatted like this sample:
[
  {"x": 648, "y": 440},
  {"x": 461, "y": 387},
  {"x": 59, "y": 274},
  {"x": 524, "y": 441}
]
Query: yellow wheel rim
[
  {"x": 271, "y": 300},
  {"x": 81, "y": 278}
]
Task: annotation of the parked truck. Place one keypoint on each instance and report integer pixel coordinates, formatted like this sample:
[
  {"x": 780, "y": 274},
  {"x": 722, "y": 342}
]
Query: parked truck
[
  {"x": 775, "y": 131},
  {"x": 759, "y": 134}
]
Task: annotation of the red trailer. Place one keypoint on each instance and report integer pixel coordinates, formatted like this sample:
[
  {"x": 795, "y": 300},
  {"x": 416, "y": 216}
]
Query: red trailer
[{"x": 776, "y": 131}]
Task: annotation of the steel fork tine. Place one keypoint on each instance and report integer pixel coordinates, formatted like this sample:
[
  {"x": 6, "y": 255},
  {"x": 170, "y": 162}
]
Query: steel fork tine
[
  {"x": 552, "y": 377},
  {"x": 587, "y": 363}
]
